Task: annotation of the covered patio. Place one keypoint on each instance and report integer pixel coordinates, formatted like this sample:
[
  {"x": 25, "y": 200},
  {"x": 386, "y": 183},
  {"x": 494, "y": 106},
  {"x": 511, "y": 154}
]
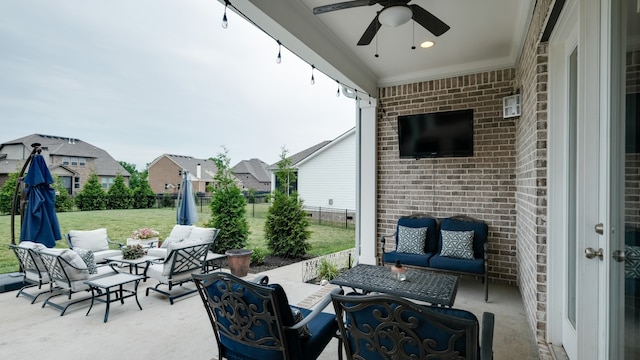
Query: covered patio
[{"x": 182, "y": 331}]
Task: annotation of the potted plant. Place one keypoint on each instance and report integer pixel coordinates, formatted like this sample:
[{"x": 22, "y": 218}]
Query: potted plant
[
  {"x": 144, "y": 236},
  {"x": 131, "y": 252},
  {"x": 239, "y": 261}
]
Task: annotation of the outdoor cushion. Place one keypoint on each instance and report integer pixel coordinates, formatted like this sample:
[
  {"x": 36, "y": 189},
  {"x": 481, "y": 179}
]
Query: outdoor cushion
[
  {"x": 88, "y": 258},
  {"x": 202, "y": 234},
  {"x": 632, "y": 262},
  {"x": 94, "y": 240},
  {"x": 431, "y": 238},
  {"x": 78, "y": 269},
  {"x": 475, "y": 266},
  {"x": 178, "y": 233},
  {"x": 407, "y": 259},
  {"x": 35, "y": 247},
  {"x": 411, "y": 239},
  {"x": 480, "y": 233},
  {"x": 457, "y": 244}
]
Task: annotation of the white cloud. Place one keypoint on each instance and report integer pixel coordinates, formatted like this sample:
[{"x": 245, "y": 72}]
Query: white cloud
[{"x": 146, "y": 77}]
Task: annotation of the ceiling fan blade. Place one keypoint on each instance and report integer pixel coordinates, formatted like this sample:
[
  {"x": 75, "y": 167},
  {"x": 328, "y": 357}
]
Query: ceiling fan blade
[
  {"x": 343, "y": 5},
  {"x": 370, "y": 33},
  {"x": 428, "y": 21}
]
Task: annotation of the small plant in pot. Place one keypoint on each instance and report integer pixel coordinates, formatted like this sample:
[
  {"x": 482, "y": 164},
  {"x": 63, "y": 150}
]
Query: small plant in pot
[{"x": 131, "y": 252}]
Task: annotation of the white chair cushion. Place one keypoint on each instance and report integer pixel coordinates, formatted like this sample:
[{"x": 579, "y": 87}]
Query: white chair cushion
[
  {"x": 38, "y": 262},
  {"x": 158, "y": 252},
  {"x": 94, "y": 240},
  {"x": 202, "y": 234},
  {"x": 78, "y": 269},
  {"x": 101, "y": 256},
  {"x": 178, "y": 233}
]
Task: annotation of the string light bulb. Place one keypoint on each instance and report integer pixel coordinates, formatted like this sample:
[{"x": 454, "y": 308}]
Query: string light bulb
[
  {"x": 279, "y": 58},
  {"x": 313, "y": 80},
  {"x": 225, "y": 23},
  {"x": 338, "y": 91}
]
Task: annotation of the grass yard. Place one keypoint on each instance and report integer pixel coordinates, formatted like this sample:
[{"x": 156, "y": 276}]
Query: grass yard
[{"x": 120, "y": 223}]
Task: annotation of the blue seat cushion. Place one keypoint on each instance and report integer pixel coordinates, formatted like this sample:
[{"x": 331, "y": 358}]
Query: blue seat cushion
[
  {"x": 407, "y": 258},
  {"x": 475, "y": 266},
  {"x": 323, "y": 327},
  {"x": 460, "y": 344}
]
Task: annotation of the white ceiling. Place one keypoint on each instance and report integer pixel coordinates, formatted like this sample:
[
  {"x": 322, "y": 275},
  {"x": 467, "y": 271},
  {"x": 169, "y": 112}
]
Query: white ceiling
[{"x": 484, "y": 35}]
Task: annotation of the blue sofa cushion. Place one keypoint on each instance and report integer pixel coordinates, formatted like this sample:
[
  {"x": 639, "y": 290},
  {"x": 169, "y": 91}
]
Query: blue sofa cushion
[
  {"x": 407, "y": 259},
  {"x": 431, "y": 224},
  {"x": 480, "y": 233},
  {"x": 474, "y": 266}
]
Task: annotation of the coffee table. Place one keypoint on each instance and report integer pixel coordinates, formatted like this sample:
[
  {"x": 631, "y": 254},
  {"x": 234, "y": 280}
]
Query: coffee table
[
  {"x": 133, "y": 263},
  {"x": 430, "y": 287},
  {"x": 103, "y": 286}
]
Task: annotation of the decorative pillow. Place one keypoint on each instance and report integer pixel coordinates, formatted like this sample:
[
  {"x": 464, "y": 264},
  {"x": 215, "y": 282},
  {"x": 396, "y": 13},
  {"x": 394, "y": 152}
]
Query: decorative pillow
[
  {"x": 457, "y": 244},
  {"x": 203, "y": 234},
  {"x": 411, "y": 240},
  {"x": 303, "y": 332},
  {"x": 632, "y": 262},
  {"x": 94, "y": 240},
  {"x": 88, "y": 258}
]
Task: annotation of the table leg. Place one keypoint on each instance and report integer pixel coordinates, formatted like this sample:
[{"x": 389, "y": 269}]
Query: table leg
[
  {"x": 106, "y": 311},
  {"x": 93, "y": 296},
  {"x": 135, "y": 293},
  {"x": 121, "y": 295}
]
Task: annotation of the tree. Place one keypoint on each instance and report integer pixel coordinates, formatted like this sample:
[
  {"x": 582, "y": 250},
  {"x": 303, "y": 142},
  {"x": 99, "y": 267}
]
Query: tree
[
  {"x": 228, "y": 208},
  {"x": 6, "y": 193},
  {"x": 119, "y": 196},
  {"x": 137, "y": 177},
  {"x": 286, "y": 227},
  {"x": 92, "y": 197},
  {"x": 143, "y": 195},
  {"x": 64, "y": 202}
]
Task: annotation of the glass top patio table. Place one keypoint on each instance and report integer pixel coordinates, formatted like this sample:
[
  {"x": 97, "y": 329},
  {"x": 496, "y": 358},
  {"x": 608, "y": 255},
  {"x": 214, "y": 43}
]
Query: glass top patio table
[{"x": 430, "y": 287}]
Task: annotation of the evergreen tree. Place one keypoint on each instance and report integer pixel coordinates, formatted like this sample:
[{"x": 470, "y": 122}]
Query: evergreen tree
[
  {"x": 286, "y": 227},
  {"x": 64, "y": 202},
  {"x": 228, "y": 208},
  {"x": 143, "y": 195},
  {"x": 119, "y": 196},
  {"x": 92, "y": 197},
  {"x": 6, "y": 193}
]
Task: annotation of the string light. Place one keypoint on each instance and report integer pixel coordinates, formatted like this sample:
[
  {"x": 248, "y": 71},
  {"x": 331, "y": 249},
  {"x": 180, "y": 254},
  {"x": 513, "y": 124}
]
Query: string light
[
  {"x": 225, "y": 23},
  {"x": 279, "y": 58},
  {"x": 346, "y": 89},
  {"x": 313, "y": 80}
]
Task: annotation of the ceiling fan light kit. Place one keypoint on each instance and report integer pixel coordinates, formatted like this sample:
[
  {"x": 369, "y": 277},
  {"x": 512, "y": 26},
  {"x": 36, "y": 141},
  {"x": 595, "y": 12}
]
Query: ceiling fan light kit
[{"x": 395, "y": 16}]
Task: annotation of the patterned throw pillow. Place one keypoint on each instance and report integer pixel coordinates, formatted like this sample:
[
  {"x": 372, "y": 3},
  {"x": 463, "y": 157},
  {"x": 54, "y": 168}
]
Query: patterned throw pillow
[
  {"x": 88, "y": 258},
  {"x": 303, "y": 332},
  {"x": 457, "y": 244},
  {"x": 632, "y": 262},
  {"x": 411, "y": 240}
]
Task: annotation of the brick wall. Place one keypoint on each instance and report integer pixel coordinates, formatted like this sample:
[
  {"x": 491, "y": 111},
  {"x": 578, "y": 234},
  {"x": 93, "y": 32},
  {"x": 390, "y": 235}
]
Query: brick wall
[
  {"x": 632, "y": 160},
  {"x": 531, "y": 175},
  {"x": 482, "y": 186}
]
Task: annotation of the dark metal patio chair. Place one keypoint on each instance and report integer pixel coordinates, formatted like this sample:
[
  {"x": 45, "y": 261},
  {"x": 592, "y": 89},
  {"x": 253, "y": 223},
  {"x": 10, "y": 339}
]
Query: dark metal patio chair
[
  {"x": 389, "y": 327},
  {"x": 33, "y": 270},
  {"x": 253, "y": 320}
]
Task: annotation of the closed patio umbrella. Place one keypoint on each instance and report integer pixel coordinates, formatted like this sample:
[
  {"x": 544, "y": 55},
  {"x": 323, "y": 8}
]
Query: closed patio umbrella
[
  {"x": 187, "y": 212},
  {"x": 39, "y": 219}
]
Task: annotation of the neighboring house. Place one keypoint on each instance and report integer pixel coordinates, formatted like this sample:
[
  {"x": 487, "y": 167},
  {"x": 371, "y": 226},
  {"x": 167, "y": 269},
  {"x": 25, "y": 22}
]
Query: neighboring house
[
  {"x": 327, "y": 177},
  {"x": 555, "y": 183},
  {"x": 294, "y": 159},
  {"x": 71, "y": 159},
  {"x": 165, "y": 173},
  {"x": 253, "y": 174}
]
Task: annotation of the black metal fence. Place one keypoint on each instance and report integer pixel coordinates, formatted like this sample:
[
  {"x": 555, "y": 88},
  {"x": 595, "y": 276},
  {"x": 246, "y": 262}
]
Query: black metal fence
[{"x": 331, "y": 216}]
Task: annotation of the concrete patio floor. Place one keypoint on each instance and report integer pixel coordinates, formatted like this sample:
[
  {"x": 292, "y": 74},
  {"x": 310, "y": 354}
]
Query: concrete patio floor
[{"x": 182, "y": 330}]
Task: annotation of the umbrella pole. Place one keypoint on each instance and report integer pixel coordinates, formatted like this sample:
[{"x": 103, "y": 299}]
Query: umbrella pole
[{"x": 14, "y": 202}]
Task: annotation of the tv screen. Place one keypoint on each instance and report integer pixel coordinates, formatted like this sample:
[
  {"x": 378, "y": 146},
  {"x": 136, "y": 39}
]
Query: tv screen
[{"x": 441, "y": 134}]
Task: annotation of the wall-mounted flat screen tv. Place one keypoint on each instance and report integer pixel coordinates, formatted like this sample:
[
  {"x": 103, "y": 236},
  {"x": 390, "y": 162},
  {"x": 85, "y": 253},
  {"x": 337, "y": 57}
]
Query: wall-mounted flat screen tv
[{"x": 440, "y": 134}]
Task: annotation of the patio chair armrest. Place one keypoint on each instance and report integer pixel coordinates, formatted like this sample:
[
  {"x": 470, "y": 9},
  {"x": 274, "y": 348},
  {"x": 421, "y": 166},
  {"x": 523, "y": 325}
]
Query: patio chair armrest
[
  {"x": 261, "y": 279},
  {"x": 111, "y": 242},
  {"x": 322, "y": 304},
  {"x": 383, "y": 240},
  {"x": 486, "y": 346}
]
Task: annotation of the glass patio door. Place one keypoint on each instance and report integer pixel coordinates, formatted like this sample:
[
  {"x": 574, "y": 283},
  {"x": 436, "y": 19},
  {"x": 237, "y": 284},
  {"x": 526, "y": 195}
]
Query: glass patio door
[{"x": 624, "y": 265}]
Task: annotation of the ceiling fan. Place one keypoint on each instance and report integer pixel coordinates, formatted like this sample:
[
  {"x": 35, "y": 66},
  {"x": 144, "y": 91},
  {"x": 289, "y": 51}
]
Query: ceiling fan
[{"x": 393, "y": 13}]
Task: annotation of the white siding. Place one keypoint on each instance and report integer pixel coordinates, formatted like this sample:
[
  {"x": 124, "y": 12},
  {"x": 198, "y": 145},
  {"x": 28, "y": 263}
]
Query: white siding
[{"x": 330, "y": 174}]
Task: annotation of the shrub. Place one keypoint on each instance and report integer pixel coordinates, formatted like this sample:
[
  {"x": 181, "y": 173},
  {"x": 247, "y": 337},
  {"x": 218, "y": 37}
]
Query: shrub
[
  {"x": 63, "y": 201},
  {"x": 258, "y": 256},
  {"x": 143, "y": 195},
  {"x": 6, "y": 193},
  {"x": 119, "y": 196},
  {"x": 167, "y": 200},
  {"x": 228, "y": 208},
  {"x": 327, "y": 270},
  {"x": 92, "y": 197}
]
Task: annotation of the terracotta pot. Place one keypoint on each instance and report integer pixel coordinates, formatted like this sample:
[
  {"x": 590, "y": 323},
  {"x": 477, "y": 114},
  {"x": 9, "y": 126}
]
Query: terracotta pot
[{"x": 239, "y": 261}]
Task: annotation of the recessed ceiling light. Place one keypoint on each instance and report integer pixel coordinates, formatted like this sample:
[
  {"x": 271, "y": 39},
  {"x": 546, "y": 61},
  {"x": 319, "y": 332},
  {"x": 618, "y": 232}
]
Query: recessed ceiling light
[{"x": 427, "y": 44}]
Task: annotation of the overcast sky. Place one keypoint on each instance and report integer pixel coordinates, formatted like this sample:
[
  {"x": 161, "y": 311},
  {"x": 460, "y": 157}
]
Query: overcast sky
[{"x": 139, "y": 78}]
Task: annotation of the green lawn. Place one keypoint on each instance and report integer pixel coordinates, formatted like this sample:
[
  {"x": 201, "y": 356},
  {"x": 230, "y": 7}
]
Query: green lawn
[{"x": 120, "y": 223}]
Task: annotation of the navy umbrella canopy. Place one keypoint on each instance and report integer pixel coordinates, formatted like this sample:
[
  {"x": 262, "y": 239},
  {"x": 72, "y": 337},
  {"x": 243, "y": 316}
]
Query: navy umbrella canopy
[
  {"x": 39, "y": 220},
  {"x": 187, "y": 212}
]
